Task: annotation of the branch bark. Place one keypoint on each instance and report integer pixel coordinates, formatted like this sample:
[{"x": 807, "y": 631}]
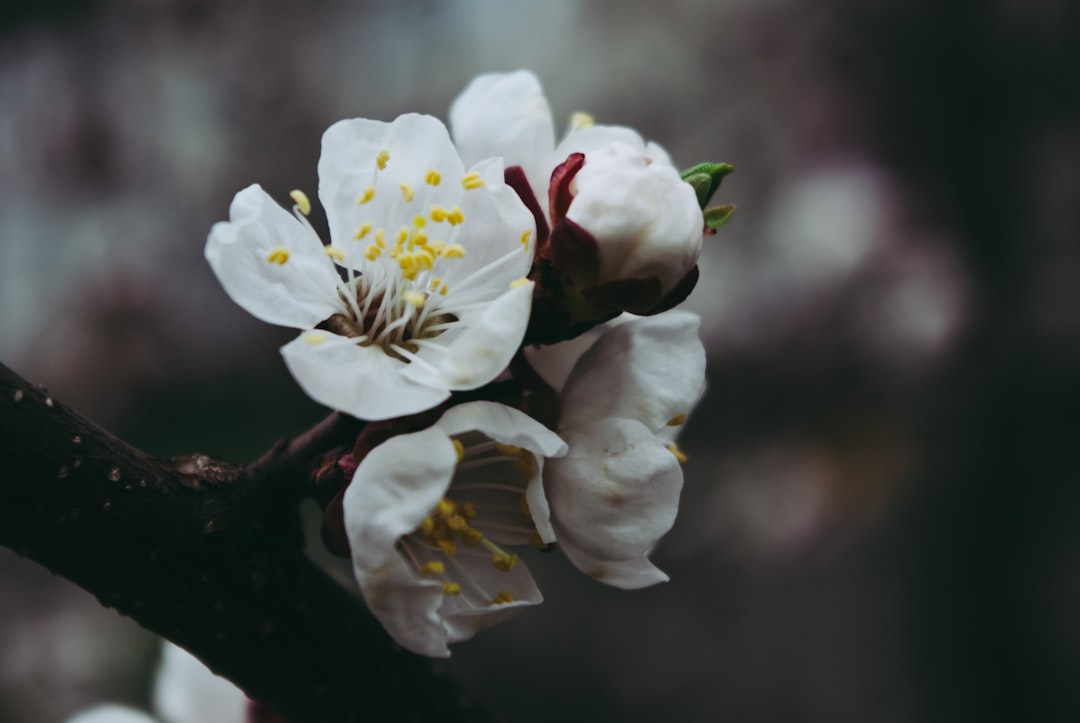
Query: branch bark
[{"x": 209, "y": 555}]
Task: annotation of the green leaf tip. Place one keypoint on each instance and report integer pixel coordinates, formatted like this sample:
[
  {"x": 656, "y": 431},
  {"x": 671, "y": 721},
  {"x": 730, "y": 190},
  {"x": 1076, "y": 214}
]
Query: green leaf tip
[{"x": 705, "y": 179}]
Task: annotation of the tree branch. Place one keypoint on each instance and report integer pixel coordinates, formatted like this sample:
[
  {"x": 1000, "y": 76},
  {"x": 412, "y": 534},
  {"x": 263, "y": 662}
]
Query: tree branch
[{"x": 210, "y": 556}]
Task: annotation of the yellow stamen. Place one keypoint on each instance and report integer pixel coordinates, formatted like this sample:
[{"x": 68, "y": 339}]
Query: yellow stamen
[
  {"x": 433, "y": 177},
  {"x": 469, "y": 510},
  {"x": 437, "y": 247},
  {"x": 406, "y": 191},
  {"x": 402, "y": 235},
  {"x": 446, "y": 508},
  {"x": 457, "y": 523},
  {"x": 372, "y": 252},
  {"x": 367, "y": 195},
  {"x": 415, "y": 298},
  {"x": 504, "y": 563},
  {"x": 432, "y": 568},
  {"x": 300, "y": 198},
  {"x": 471, "y": 536},
  {"x": 525, "y": 236},
  {"x": 427, "y": 526},
  {"x": 517, "y": 283},
  {"x": 443, "y": 289},
  {"x": 447, "y": 546},
  {"x": 455, "y": 216},
  {"x": 419, "y": 221},
  {"x": 364, "y": 230},
  {"x": 437, "y": 213},
  {"x": 674, "y": 449},
  {"x": 580, "y": 121},
  {"x": 380, "y": 238},
  {"x": 278, "y": 256},
  {"x": 334, "y": 252},
  {"x": 382, "y": 159},
  {"x": 451, "y": 588},
  {"x": 510, "y": 450},
  {"x": 472, "y": 180},
  {"x": 502, "y": 598},
  {"x": 676, "y": 420},
  {"x": 459, "y": 448},
  {"x": 315, "y": 338},
  {"x": 454, "y": 251}
]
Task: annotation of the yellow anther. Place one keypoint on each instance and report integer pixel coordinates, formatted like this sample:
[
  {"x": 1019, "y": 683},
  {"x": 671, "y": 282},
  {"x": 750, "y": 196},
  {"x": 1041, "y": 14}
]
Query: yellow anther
[
  {"x": 502, "y": 598},
  {"x": 437, "y": 247},
  {"x": 676, "y": 420},
  {"x": 580, "y": 121},
  {"x": 419, "y": 221},
  {"x": 402, "y": 235},
  {"x": 406, "y": 191},
  {"x": 454, "y": 251},
  {"x": 446, "y": 508},
  {"x": 372, "y": 252},
  {"x": 504, "y": 562},
  {"x": 455, "y": 216},
  {"x": 674, "y": 449},
  {"x": 472, "y": 180},
  {"x": 415, "y": 298},
  {"x": 427, "y": 525},
  {"x": 433, "y": 177},
  {"x": 380, "y": 238},
  {"x": 509, "y": 450},
  {"x": 432, "y": 568},
  {"x": 517, "y": 283},
  {"x": 443, "y": 289},
  {"x": 525, "y": 236},
  {"x": 451, "y": 588},
  {"x": 382, "y": 159},
  {"x": 364, "y": 230},
  {"x": 471, "y": 536},
  {"x": 447, "y": 546},
  {"x": 526, "y": 466},
  {"x": 456, "y": 523},
  {"x": 334, "y": 252},
  {"x": 536, "y": 541},
  {"x": 367, "y": 195},
  {"x": 303, "y": 205},
  {"x": 459, "y": 449},
  {"x": 278, "y": 256},
  {"x": 425, "y": 258},
  {"x": 315, "y": 338},
  {"x": 469, "y": 511},
  {"x": 418, "y": 239},
  {"x": 437, "y": 213}
]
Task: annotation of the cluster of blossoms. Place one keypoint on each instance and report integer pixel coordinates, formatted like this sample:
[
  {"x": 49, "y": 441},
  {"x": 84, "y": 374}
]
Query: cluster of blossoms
[{"x": 498, "y": 306}]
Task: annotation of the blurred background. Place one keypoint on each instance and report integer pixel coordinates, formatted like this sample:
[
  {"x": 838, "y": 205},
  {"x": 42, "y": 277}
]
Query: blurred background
[{"x": 881, "y": 519}]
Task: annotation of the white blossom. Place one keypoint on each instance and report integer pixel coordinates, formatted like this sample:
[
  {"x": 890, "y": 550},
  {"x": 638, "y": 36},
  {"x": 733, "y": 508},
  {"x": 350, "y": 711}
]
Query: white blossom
[
  {"x": 616, "y": 491},
  {"x": 421, "y": 290},
  {"x": 428, "y": 517}
]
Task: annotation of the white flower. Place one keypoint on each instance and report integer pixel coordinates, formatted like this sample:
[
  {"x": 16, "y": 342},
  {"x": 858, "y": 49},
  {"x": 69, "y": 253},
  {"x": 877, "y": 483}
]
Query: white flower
[
  {"x": 428, "y": 515},
  {"x": 626, "y": 195},
  {"x": 185, "y": 691},
  {"x": 616, "y": 491},
  {"x": 421, "y": 290}
]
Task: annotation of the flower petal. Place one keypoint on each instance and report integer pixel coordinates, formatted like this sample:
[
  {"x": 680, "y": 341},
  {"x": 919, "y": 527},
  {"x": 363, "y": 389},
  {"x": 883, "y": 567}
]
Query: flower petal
[
  {"x": 186, "y": 691},
  {"x": 631, "y": 574},
  {"x": 650, "y": 369},
  {"x": 507, "y": 115},
  {"x": 296, "y": 288},
  {"x": 594, "y": 138},
  {"x": 481, "y": 345},
  {"x": 506, "y": 425},
  {"x": 613, "y": 496},
  {"x": 475, "y": 609},
  {"x": 111, "y": 714},
  {"x": 396, "y": 485},
  {"x": 363, "y": 381}
]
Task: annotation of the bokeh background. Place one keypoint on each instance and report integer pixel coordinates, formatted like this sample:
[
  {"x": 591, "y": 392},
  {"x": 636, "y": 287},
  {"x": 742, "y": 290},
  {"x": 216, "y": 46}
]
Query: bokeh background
[{"x": 881, "y": 519}]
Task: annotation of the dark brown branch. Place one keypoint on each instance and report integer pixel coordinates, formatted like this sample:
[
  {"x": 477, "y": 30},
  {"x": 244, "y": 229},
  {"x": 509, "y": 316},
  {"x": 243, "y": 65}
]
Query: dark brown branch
[{"x": 210, "y": 556}]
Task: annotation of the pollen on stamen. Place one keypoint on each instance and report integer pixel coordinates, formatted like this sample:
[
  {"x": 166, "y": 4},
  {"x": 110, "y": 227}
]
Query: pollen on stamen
[
  {"x": 419, "y": 222},
  {"x": 406, "y": 192},
  {"x": 504, "y": 563},
  {"x": 372, "y": 252},
  {"x": 679, "y": 456},
  {"x": 472, "y": 180},
  {"x": 433, "y": 177},
  {"x": 451, "y": 588},
  {"x": 518, "y": 282},
  {"x": 314, "y": 338},
  {"x": 415, "y": 298},
  {"x": 459, "y": 449},
  {"x": 454, "y": 251},
  {"x": 382, "y": 159},
  {"x": 434, "y": 567},
  {"x": 364, "y": 230},
  {"x": 367, "y": 195},
  {"x": 437, "y": 214},
  {"x": 278, "y": 256},
  {"x": 525, "y": 236},
  {"x": 503, "y": 598},
  {"x": 676, "y": 420},
  {"x": 455, "y": 216},
  {"x": 334, "y": 252},
  {"x": 303, "y": 205}
]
